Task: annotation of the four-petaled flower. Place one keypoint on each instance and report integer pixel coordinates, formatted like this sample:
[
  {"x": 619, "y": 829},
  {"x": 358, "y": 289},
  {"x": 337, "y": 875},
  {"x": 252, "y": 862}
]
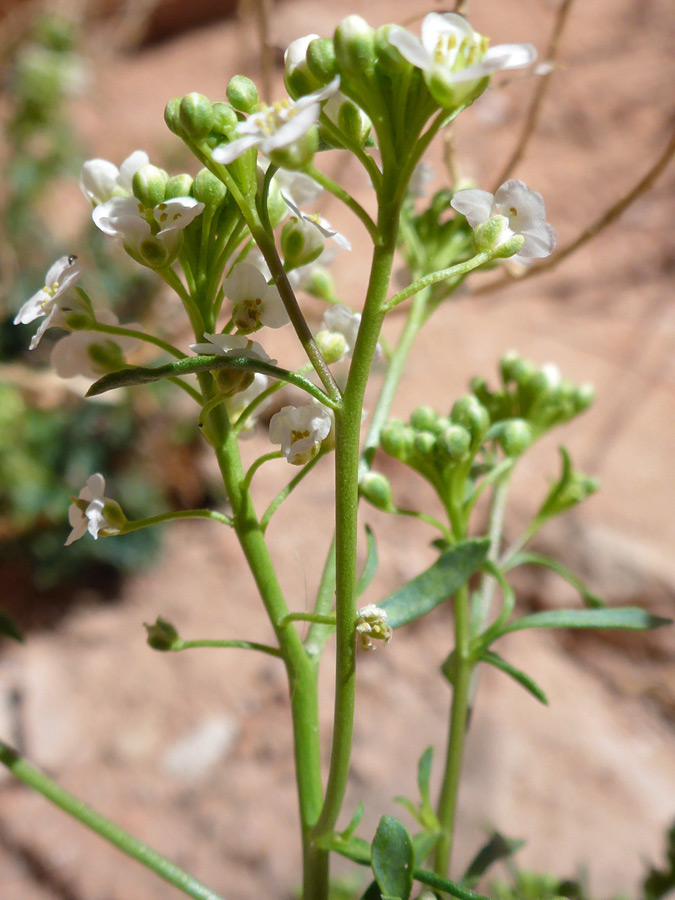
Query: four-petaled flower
[
  {"x": 522, "y": 209},
  {"x": 235, "y": 346},
  {"x": 300, "y": 431},
  {"x": 88, "y": 513},
  {"x": 277, "y": 126},
  {"x": 316, "y": 224},
  {"x": 61, "y": 275},
  {"x": 453, "y": 57},
  {"x": 255, "y": 302},
  {"x": 101, "y": 180}
]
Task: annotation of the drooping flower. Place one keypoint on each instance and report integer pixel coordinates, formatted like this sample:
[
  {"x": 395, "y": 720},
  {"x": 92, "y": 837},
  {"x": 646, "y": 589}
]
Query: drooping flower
[
  {"x": 92, "y": 353},
  {"x": 255, "y": 302},
  {"x": 318, "y": 222},
  {"x": 522, "y": 209},
  {"x": 371, "y": 624},
  {"x": 453, "y": 57},
  {"x": 48, "y": 302},
  {"x": 91, "y": 512},
  {"x": 101, "y": 180},
  {"x": 276, "y": 127},
  {"x": 300, "y": 431}
]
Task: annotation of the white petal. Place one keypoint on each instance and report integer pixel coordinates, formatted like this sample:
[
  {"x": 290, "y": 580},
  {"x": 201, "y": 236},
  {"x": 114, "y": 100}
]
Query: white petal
[
  {"x": 474, "y": 204},
  {"x": 410, "y": 48},
  {"x": 437, "y": 25},
  {"x": 245, "y": 282},
  {"x": 94, "y": 487},
  {"x": 538, "y": 243},
  {"x": 273, "y": 313},
  {"x": 293, "y": 129},
  {"x": 44, "y": 325},
  {"x": 296, "y": 52},
  {"x": 319, "y": 96},
  {"x": 98, "y": 179},
  {"x": 512, "y": 56},
  {"x": 130, "y": 166},
  {"x": 227, "y": 153},
  {"x": 177, "y": 213},
  {"x": 299, "y": 187},
  {"x": 32, "y": 309}
]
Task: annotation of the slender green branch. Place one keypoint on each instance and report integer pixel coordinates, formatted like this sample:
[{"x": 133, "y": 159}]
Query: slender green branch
[
  {"x": 122, "y": 331},
  {"x": 346, "y": 198},
  {"x": 363, "y": 157},
  {"x": 253, "y": 468},
  {"x": 325, "y": 597},
  {"x": 137, "y": 524},
  {"x": 430, "y": 520},
  {"x": 104, "y": 827},
  {"x": 243, "y": 645},
  {"x": 427, "y": 280},
  {"x": 285, "y": 492},
  {"x": 307, "y": 617}
]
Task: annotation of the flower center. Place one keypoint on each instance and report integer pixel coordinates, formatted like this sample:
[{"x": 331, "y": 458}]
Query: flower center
[{"x": 298, "y": 435}]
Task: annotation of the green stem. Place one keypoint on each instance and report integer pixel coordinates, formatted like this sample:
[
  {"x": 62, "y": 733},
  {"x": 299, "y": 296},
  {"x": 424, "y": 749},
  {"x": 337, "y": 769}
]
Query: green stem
[
  {"x": 137, "y": 524},
  {"x": 345, "y": 197},
  {"x": 253, "y": 468},
  {"x": 104, "y": 827},
  {"x": 243, "y": 645},
  {"x": 284, "y": 492},
  {"x": 430, "y": 520},
  {"x": 427, "y": 280},
  {"x": 139, "y": 336},
  {"x": 447, "y": 804},
  {"x": 308, "y": 617}
]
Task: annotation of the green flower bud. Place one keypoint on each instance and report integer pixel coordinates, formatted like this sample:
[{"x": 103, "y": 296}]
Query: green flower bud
[
  {"x": 232, "y": 381},
  {"x": 512, "y": 367},
  {"x": 319, "y": 283},
  {"x": 172, "y": 116},
  {"x": 149, "y": 185},
  {"x": 583, "y": 397},
  {"x": 375, "y": 488},
  {"x": 354, "y": 45},
  {"x": 196, "y": 115},
  {"x": 301, "y": 243},
  {"x": 424, "y": 443},
  {"x": 489, "y": 238},
  {"x": 242, "y": 94},
  {"x": 79, "y": 321},
  {"x": 153, "y": 253},
  {"x": 470, "y": 412},
  {"x": 516, "y": 437},
  {"x": 424, "y": 418},
  {"x": 162, "y": 635},
  {"x": 178, "y": 186},
  {"x": 332, "y": 345},
  {"x": 389, "y": 60},
  {"x": 396, "y": 439},
  {"x": 208, "y": 189},
  {"x": 353, "y": 122},
  {"x": 455, "y": 442},
  {"x": 321, "y": 60},
  {"x": 225, "y": 119},
  {"x": 299, "y": 153}
]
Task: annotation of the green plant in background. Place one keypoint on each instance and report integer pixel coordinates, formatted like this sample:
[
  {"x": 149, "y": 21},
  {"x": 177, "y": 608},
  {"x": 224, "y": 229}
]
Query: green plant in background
[{"x": 236, "y": 246}]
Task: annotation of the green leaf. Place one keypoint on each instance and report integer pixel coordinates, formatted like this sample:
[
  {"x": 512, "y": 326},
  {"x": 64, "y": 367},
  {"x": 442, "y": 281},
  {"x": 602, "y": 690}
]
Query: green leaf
[
  {"x": 424, "y": 774},
  {"x": 9, "y": 628},
  {"x": 538, "y": 559},
  {"x": 438, "y": 883},
  {"x": 194, "y": 364},
  {"x": 498, "y": 847},
  {"x": 354, "y": 823},
  {"x": 494, "y": 659},
  {"x": 370, "y": 567},
  {"x": 424, "y": 842},
  {"x": 440, "y": 581},
  {"x": 372, "y": 892},
  {"x": 392, "y": 857},
  {"x": 354, "y": 848},
  {"x": 631, "y": 618}
]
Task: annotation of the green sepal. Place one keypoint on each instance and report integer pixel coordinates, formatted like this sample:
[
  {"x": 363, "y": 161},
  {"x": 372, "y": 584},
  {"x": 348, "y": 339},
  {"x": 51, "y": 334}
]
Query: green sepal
[
  {"x": 523, "y": 679},
  {"x": 497, "y": 848},
  {"x": 440, "y": 581},
  {"x": 392, "y": 857},
  {"x": 538, "y": 559},
  {"x": 371, "y": 563},
  {"x": 630, "y": 618},
  {"x": 193, "y": 364},
  {"x": 9, "y": 628}
]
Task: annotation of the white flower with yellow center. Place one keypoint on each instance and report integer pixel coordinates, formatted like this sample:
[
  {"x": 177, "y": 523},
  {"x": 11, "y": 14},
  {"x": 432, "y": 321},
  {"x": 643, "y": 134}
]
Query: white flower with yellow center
[
  {"x": 90, "y": 512},
  {"x": 300, "y": 430},
  {"x": 255, "y": 302},
  {"x": 62, "y": 275}
]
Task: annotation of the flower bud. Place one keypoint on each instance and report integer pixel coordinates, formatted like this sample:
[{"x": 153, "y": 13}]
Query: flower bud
[
  {"x": 149, "y": 185},
  {"x": 583, "y": 397},
  {"x": 319, "y": 283},
  {"x": 242, "y": 94},
  {"x": 178, "y": 186},
  {"x": 162, "y": 635},
  {"x": 354, "y": 45},
  {"x": 396, "y": 439},
  {"x": 375, "y": 488},
  {"x": 469, "y": 412},
  {"x": 299, "y": 153},
  {"x": 298, "y": 78},
  {"x": 515, "y": 437},
  {"x": 321, "y": 60},
  {"x": 513, "y": 367},
  {"x": 424, "y": 443},
  {"x": 332, "y": 345},
  {"x": 232, "y": 381},
  {"x": 349, "y": 118},
  {"x": 389, "y": 60},
  {"x": 371, "y": 624},
  {"x": 424, "y": 418},
  {"x": 196, "y": 115},
  {"x": 172, "y": 117},
  {"x": 301, "y": 243},
  {"x": 208, "y": 189},
  {"x": 455, "y": 442},
  {"x": 225, "y": 119}
]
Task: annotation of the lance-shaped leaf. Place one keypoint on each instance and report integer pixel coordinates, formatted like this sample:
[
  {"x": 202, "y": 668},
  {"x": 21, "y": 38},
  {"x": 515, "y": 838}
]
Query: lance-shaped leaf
[
  {"x": 630, "y": 618},
  {"x": 518, "y": 675},
  {"x": 440, "y": 581},
  {"x": 497, "y": 848},
  {"x": 539, "y": 559},
  {"x": 392, "y": 858},
  {"x": 370, "y": 566},
  {"x": 192, "y": 365}
]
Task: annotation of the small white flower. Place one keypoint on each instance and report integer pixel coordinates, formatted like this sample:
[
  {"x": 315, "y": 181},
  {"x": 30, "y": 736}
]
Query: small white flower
[
  {"x": 300, "y": 431},
  {"x": 332, "y": 110},
  {"x": 235, "y": 346},
  {"x": 371, "y": 624},
  {"x": 75, "y": 354},
  {"x": 295, "y": 56},
  {"x": 101, "y": 180},
  {"x": 451, "y": 53},
  {"x": 274, "y": 127},
  {"x": 62, "y": 275},
  {"x": 88, "y": 514},
  {"x": 342, "y": 320},
  {"x": 318, "y": 222},
  {"x": 299, "y": 187},
  {"x": 523, "y": 210},
  {"x": 255, "y": 302}
]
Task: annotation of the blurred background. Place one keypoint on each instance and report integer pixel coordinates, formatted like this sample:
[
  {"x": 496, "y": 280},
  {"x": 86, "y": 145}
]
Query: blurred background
[{"x": 589, "y": 782}]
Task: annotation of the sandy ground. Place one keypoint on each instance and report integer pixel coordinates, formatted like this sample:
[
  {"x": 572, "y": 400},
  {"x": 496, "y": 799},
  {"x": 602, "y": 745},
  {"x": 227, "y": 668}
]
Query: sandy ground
[{"x": 589, "y": 780}]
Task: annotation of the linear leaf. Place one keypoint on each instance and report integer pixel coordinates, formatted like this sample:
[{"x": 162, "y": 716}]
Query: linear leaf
[
  {"x": 440, "y": 581},
  {"x": 497, "y": 847},
  {"x": 370, "y": 567},
  {"x": 539, "y": 559},
  {"x": 626, "y": 617},
  {"x": 518, "y": 675}
]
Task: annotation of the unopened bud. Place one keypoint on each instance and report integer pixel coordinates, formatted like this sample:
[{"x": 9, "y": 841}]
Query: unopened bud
[
  {"x": 396, "y": 439},
  {"x": 178, "y": 186},
  {"x": 301, "y": 243},
  {"x": 149, "y": 185},
  {"x": 354, "y": 44},
  {"x": 455, "y": 442},
  {"x": 424, "y": 418},
  {"x": 424, "y": 443},
  {"x": 583, "y": 397},
  {"x": 225, "y": 119},
  {"x": 321, "y": 60},
  {"x": 208, "y": 189},
  {"x": 470, "y": 412},
  {"x": 332, "y": 345},
  {"x": 196, "y": 115},
  {"x": 375, "y": 488},
  {"x": 162, "y": 635},
  {"x": 516, "y": 437},
  {"x": 242, "y": 94}
]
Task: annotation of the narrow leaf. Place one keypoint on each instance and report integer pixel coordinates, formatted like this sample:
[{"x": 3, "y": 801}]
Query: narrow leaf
[
  {"x": 438, "y": 883},
  {"x": 631, "y": 618},
  {"x": 440, "y": 581},
  {"x": 498, "y": 847},
  {"x": 393, "y": 858},
  {"x": 9, "y": 628},
  {"x": 538, "y": 559},
  {"x": 370, "y": 567},
  {"x": 354, "y": 823},
  {"x": 424, "y": 773},
  {"x": 354, "y": 848},
  {"x": 518, "y": 675},
  {"x": 424, "y": 842}
]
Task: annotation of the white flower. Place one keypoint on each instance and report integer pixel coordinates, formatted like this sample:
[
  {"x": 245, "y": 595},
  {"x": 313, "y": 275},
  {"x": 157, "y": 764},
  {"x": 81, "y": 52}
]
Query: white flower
[
  {"x": 101, "y": 180},
  {"x": 300, "y": 430},
  {"x": 371, "y": 624},
  {"x": 61, "y": 275},
  {"x": 523, "y": 211},
  {"x": 274, "y": 127},
  {"x": 255, "y": 302},
  {"x": 451, "y": 53},
  {"x": 75, "y": 354},
  {"x": 88, "y": 512},
  {"x": 342, "y": 320},
  {"x": 295, "y": 55},
  {"x": 317, "y": 222},
  {"x": 299, "y": 187},
  {"x": 235, "y": 346}
]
